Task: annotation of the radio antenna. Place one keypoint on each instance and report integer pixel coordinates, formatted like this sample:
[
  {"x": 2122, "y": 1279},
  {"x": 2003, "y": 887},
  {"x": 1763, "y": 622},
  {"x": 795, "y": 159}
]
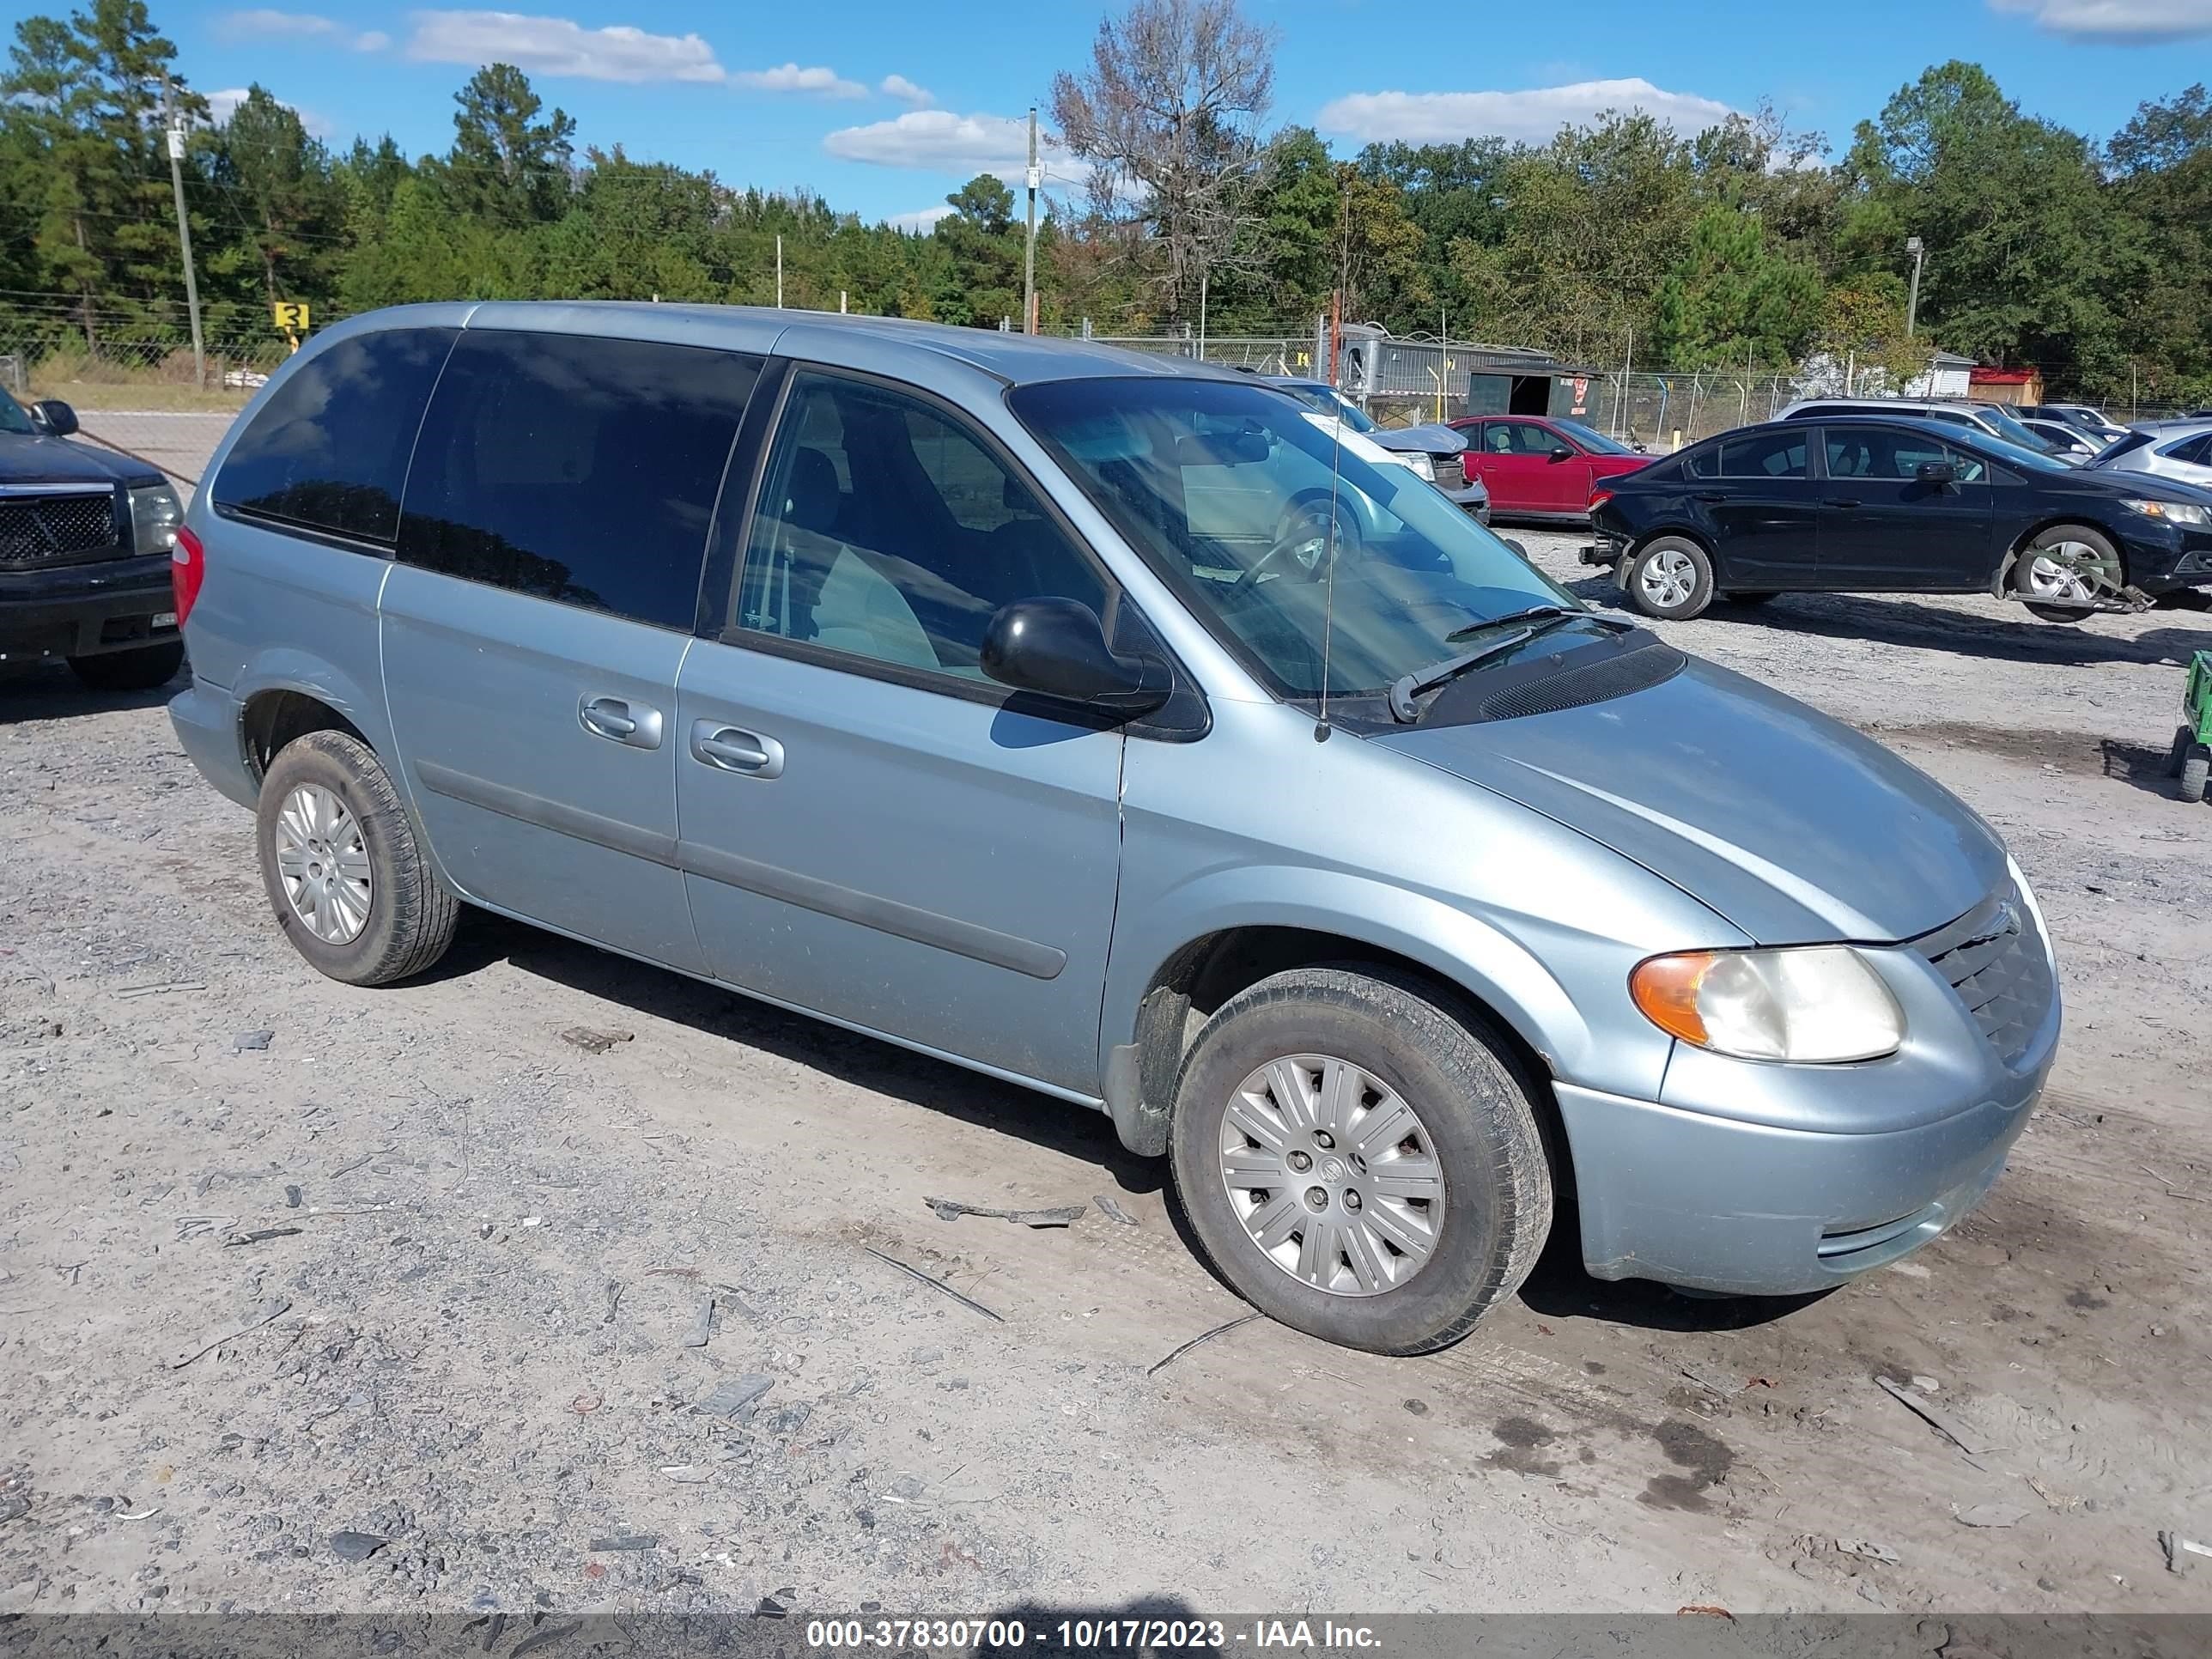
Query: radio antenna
[{"x": 1335, "y": 460}]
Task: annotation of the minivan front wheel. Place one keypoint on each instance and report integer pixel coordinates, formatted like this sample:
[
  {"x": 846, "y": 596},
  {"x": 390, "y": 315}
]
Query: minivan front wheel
[
  {"x": 1357, "y": 1162},
  {"x": 342, "y": 867}
]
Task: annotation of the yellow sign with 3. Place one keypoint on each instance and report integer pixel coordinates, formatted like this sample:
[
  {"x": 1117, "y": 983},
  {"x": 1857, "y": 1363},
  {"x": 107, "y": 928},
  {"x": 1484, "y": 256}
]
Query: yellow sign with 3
[{"x": 291, "y": 315}]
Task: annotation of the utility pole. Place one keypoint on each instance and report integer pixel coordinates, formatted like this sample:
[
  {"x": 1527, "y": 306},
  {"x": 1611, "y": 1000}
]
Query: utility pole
[
  {"x": 176, "y": 143},
  {"x": 1202, "y": 313},
  {"x": 1029, "y": 250},
  {"x": 779, "y": 273},
  {"x": 1918, "y": 250}
]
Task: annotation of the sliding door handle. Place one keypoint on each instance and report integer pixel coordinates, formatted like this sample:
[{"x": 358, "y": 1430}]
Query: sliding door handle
[{"x": 733, "y": 749}]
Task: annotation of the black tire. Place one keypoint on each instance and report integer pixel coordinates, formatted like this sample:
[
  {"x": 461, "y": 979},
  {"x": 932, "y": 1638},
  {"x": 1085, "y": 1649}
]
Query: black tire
[
  {"x": 1737, "y": 596},
  {"x": 1700, "y": 592},
  {"x": 2196, "y": 770},
  {"x": 2177, "y": 754},
  {"x": 2095, "y": 540},
  {"x": 411, "y": 913},
  {"x": 1475, "y": 1114},
  {"x": 142, "y": 669},
  {"x": 1519, "y": 547}
]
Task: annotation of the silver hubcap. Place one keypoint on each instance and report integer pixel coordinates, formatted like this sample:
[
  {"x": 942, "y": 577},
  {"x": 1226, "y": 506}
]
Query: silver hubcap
[
  {"x": 1669, "y": 578},
  {"x": 2068, "y": 573},
  {"x": 1333, "y": 1174},
  {"x": 322, "y": 864}
]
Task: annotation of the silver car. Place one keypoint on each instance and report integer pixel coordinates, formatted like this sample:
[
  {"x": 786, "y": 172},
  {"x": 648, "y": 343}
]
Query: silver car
[
  {"x": 2179, "y": 450},
  {"x": 876, "y": 670}
]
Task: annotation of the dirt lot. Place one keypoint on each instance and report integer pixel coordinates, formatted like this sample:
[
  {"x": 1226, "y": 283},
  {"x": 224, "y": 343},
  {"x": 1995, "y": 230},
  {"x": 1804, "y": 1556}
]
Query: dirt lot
[{"x": 281, "y": 1260}]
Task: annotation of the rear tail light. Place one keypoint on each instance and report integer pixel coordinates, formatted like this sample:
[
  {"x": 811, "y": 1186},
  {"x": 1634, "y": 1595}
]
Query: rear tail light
[
  {"x": 187, "y": 570},
  {"x": 1599, "y": 498}
]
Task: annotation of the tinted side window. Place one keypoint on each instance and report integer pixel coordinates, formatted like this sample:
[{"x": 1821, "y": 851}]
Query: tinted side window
[
  {"x": 2197, "y": 452},
  {"x": 329, "y": 449},
  {"x": 889, "y": 530},
  {"x": 576, "y": 468},
  {"x": 1765, "y": 455}
]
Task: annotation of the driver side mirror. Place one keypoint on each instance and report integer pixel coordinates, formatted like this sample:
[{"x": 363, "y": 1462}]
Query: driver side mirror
[
  {"x": 54, "y": 416},
  {"x": 1561, "y": 453},
  {"x": 1937, "y": 473},
  {"x": 1057, "y": 647}
]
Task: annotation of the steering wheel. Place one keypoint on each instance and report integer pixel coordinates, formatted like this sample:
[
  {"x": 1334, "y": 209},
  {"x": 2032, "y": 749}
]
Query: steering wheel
[{"x": 1311, "y": 525}]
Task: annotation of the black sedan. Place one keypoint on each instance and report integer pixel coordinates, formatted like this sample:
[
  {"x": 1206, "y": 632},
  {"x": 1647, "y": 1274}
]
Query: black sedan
[{"x": 1863, "y": 505}]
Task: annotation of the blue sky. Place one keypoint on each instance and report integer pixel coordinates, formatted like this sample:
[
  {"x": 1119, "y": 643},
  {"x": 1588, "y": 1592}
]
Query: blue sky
[{"x": 884, "y": 105}]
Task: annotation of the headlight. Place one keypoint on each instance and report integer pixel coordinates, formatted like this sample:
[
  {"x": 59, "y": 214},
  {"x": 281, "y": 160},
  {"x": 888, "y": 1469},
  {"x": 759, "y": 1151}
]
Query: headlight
[
  {"x": 2173, "y": 512},
  {"x": 1419, "y": 465},
  {"x": 155, "y": 512},
  {"x": 1818, "y": 1003}
]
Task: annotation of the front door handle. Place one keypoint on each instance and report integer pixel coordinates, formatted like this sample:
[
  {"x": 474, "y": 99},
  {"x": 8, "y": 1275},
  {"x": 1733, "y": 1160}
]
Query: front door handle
[
  {"x": 618, "y": 721},
  {"x": 1841, "y": 500},
  {"x": 733, "y": 749}
]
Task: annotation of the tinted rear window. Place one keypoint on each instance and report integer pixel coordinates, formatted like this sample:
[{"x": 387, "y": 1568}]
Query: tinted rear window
[
  {"x": 1764, "y": 455},
  {"x": 577, "y": 469},
  {"x": 329, "y": 449}
]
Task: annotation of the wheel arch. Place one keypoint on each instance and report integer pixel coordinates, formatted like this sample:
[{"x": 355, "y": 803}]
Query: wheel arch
[
  {"x": 1465, "y": 965},
  {"x": 286, "y": 694},
  {"x": 2000, "y": 580}
]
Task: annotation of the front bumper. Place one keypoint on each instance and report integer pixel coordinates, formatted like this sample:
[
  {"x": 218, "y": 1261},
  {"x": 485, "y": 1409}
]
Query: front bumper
[
  {"x": 1757, "y": 1179},
  {"x": 1471, "y": 497},
  {"x": 2161, "y": 557},
  {"x": 85, "y": 610}
]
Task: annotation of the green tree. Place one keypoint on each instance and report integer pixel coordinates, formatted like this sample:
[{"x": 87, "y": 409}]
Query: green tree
[
  {"x": 285, "y": 198},
  {"x": 2023, "y": 245},
  {"x": 1731, "y": 300},
  {"x": 506, "y": 167}
]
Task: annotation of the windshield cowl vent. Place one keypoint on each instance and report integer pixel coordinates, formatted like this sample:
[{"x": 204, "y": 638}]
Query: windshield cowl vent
[{"x": 1635, "y": 669}]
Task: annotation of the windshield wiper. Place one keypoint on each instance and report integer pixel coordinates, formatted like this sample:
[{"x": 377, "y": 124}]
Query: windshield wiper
[
  {"x": 1405, "y": 711},
  {"x": 1535, "y": 612}
]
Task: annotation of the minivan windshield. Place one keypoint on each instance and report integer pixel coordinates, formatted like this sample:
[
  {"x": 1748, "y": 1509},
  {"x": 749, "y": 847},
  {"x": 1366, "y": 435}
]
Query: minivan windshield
[{"x": 1228, "y": 490}]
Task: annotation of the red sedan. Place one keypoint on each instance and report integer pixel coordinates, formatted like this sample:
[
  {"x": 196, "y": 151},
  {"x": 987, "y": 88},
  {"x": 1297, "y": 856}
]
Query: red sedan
[{"x": 1541, "y": 467}]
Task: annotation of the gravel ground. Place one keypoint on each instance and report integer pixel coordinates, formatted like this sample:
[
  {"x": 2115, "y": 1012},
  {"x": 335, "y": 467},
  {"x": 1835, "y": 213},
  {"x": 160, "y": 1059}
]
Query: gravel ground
[{"x": 282, "y": 1261}]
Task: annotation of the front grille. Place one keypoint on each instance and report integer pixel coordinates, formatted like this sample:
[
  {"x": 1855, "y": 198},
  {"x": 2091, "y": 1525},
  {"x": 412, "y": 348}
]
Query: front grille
[
  {"x": 1995, "y": 958},
  {"x": 52, "y": 529}
]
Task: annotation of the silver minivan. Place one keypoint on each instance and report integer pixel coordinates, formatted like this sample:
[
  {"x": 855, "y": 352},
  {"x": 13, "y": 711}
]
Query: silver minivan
[{"x": 877, "y": 669}]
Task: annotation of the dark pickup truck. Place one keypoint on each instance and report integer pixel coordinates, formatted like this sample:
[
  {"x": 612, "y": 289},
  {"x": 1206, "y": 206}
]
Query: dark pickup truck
[{"x": 85, "y": 542}]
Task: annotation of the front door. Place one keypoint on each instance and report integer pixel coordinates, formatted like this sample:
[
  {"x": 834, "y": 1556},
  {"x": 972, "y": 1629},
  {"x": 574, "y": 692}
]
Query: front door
[
  {"x": 1516, "y": 463},
  {"x": 550, "y": 555},
  {"x": 872, "y": 829},
  {"x": 1884, "y": 529},
  {"x": 1764, "y": 504}
]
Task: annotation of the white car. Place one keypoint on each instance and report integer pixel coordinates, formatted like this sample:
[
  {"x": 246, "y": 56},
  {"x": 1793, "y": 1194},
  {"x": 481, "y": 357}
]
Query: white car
[{"x": 2179, "y": 450}]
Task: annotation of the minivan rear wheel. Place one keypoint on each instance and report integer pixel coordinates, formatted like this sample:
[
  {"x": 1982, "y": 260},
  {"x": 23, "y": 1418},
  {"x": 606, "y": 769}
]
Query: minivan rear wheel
[
  {"x": 341, "y": 865},
  {"x": 1357, "y": 1162}
]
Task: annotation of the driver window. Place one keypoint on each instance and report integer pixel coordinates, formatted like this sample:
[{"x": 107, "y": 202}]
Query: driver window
[{"x": 887, "y": 531}]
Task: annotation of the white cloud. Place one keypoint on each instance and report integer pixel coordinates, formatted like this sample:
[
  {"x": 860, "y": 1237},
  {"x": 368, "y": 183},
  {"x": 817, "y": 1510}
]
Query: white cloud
[
  {"x": 2117, "y": 22},
  {"x": 898, "y": 86},
  {"x": 224, "y": 104},
  {"x": 1532, "y": 116},
  {"x": 920, "y": 219},
  {"x": 820, "y": 80},
  {"x": 555, "y": 45},
  {"x": 939, "y": 141},
  {"x": 261, "y": 23}
]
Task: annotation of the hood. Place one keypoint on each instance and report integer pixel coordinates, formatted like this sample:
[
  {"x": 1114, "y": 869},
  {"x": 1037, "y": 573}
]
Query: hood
[
  {"x": 1790, "y": 825},
  {"x": 46, "y": 459},
  {"x": 1429, "y": 439}
]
